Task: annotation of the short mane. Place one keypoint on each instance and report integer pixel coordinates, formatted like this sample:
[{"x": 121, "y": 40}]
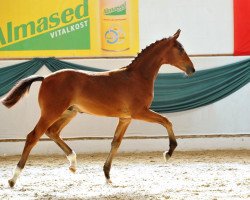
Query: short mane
[{"x": 147, "y": 49}]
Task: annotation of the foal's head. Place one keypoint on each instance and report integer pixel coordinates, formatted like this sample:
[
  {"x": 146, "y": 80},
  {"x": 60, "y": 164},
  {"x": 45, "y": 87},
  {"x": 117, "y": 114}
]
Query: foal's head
[{"x": 177, "y": 56}]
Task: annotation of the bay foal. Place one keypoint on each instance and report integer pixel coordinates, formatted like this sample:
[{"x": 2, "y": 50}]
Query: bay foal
[{"x": 125, "y": 93}]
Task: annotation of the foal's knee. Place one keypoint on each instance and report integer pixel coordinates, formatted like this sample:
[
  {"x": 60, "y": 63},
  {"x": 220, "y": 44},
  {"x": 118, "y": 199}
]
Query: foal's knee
[{"x": 167, "y": 123}]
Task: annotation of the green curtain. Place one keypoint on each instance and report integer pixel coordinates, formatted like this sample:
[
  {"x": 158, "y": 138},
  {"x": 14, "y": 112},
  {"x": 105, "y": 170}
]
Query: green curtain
[
  {"x": 10, "y": 75},
  {"x": 173, "y": 92}
]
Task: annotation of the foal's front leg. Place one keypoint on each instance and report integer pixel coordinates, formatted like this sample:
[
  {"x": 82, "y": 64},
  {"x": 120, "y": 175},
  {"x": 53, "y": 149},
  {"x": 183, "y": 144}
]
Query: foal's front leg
[
  {"x": 151, "y": 116},
  {"x": 119, "y": 133}
]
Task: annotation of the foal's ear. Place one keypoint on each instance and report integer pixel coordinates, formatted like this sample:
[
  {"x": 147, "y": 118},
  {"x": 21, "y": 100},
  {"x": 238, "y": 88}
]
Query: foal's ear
[{"x": 176, "y": 35}]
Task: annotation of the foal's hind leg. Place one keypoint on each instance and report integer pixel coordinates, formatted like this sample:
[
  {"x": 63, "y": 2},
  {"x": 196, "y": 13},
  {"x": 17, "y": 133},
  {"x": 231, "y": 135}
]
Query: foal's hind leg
[
  {"x": 119, "y": 133},
  {"x": 54, "y": 133},
  {"x": 31, "y": 140},
  {"x": 151, "y": 116}
]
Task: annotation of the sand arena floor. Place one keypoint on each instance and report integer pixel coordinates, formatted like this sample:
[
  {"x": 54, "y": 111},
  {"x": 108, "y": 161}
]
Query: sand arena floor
[{"x": 188, "y": 175}]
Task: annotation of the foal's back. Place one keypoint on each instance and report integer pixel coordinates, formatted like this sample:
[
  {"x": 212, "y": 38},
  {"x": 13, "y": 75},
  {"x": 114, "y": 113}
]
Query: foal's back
[{"x": 111, "y": 93}]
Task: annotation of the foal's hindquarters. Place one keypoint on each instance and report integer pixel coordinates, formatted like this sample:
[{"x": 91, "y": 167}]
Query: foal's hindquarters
[{"x": 56, "y": 113}]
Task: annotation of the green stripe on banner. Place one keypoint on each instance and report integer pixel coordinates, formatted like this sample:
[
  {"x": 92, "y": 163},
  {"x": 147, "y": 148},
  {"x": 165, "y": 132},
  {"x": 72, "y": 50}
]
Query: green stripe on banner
[{"x": 75, "y": 36}]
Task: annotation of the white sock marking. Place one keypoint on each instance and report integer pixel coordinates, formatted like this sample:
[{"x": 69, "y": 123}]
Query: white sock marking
[
  {"x": 16, "y": 174},
  {"x": 72, "y": 160},
  {"x": 166, "y": 156}
]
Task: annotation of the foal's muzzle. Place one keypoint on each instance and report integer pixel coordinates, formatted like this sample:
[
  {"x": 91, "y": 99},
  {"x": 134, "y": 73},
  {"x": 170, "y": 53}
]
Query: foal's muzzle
[{"x": 190, "y": 71}]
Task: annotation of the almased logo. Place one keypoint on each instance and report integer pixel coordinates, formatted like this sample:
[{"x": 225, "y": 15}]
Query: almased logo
[
  {"x": 66, "y": 30},
  {"x": 117, "y": 10}
]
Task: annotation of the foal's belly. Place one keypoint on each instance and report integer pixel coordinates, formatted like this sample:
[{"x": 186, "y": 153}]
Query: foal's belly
[{"x": 104, "y": 110}]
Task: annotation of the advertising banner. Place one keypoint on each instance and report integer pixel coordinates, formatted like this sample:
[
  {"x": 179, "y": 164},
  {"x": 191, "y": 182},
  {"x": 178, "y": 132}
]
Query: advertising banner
[{"x": 79, "y": 28}]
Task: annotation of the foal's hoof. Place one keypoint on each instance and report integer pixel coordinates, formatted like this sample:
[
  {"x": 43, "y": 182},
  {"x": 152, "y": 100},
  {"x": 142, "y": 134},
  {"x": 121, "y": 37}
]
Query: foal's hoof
[
  {"x": 166, "y": 156},
  {"x": 72, "y": 169},
  {"x": 11, "y": 183},
  {"x": 108, "y": 181}
]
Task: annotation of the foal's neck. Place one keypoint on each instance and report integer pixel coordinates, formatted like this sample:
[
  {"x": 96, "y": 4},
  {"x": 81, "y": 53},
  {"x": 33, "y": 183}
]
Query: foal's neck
[{"x": 149, "y": 61}]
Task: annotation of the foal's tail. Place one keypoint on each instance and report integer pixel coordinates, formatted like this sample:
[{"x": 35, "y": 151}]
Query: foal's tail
[{"x": 19, "y": 90}]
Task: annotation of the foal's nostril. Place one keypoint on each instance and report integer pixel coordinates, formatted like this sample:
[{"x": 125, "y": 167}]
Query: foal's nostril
[{"x": 190, "y": 70}]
